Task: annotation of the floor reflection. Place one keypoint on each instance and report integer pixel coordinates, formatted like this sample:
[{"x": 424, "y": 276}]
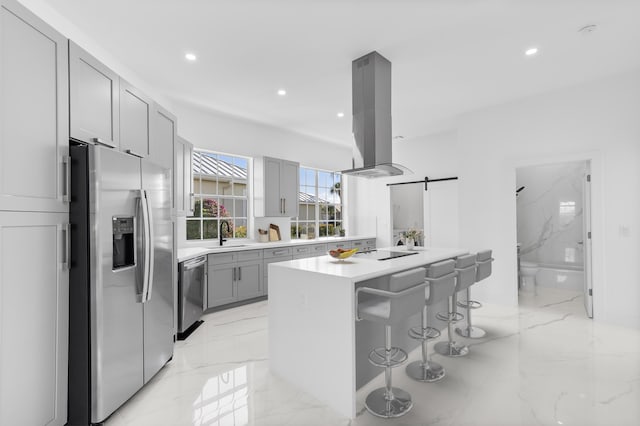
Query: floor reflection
[{"x": 224, "y": 400}]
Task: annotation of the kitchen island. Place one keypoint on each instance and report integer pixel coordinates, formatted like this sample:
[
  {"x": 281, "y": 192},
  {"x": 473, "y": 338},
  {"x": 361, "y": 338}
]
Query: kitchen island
[{"x": 314, "y": 341}]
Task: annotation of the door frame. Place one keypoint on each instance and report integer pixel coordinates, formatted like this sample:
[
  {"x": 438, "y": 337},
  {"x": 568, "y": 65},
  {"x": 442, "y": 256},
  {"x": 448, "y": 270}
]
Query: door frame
[{"x": 594, "y": 159}]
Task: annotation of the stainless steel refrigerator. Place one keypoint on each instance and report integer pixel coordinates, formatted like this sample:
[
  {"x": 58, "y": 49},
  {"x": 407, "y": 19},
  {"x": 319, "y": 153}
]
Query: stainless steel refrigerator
[{"x": 121, "y": 292}]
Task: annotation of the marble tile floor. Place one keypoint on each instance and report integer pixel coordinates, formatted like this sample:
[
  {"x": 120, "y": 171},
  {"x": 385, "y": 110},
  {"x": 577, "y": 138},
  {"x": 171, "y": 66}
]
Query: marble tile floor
[{"x": 543, "y": 363}]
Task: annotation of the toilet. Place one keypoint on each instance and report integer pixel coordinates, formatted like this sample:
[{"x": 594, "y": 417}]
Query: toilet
[{"x": 528, "y": 271}]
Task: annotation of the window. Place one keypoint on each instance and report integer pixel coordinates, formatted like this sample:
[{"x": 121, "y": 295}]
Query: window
[
  {"x": 220, "y": 190},
  {"x": 320, "y": 204}
]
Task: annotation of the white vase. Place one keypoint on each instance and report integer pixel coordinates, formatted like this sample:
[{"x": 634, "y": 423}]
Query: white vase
[{"x": 410, "y": 243}]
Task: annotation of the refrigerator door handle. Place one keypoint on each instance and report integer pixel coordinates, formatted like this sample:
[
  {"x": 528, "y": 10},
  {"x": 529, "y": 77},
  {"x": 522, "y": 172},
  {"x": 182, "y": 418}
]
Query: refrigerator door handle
[
  {"x": 150, "y": 250},
  {"x": 145, "y": 245}
]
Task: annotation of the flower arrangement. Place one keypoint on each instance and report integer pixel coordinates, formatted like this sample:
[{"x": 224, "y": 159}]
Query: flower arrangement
[{"x": 412, "y": 233}]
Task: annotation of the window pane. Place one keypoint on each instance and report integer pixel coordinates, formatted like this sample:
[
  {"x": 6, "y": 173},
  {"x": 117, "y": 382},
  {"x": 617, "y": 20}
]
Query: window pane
[
  {"x": 323, "y": 229},
  {"x": 338, "y": 213},
  {"x": 311, "y": 177},
  {"x": 226, "y": 207},
  {"x": 240, "y": 228},
  {"x": 323, "y": 212},
  {"x": 240, "y": 208},
  {"x": 193, "y": 229},
  {"x": 325, "y": 180},
  {"x": 224, "y": 187},
  {"x": 209, "y": 185},
  {"x": 240, "y": 188},
  {"x": 209, "y": 208},
  {"x": 197, "y": 208},
  {"x": 210, "y": 228},
  {"x": 240, "y": 168},
  {"x": 196, "y": 185}
]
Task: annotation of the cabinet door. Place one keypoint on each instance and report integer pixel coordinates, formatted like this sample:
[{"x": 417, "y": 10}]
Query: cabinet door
[
  {"x": 34, "y": 113},
  {"x": 184, "y": 177},
  {"x": 163, "y": 140},
  {"x": 221, "y": 285},
  {"x": 34, "y": 302},
  {"x": 93, "y": 99},
  {"x": 272, "y": 197},
  {"x": 135, "y": 120},
  {"x": 289, "y": 187},
  {"x": 178, "y": 172},
  {"x": 249, "y": 279}
]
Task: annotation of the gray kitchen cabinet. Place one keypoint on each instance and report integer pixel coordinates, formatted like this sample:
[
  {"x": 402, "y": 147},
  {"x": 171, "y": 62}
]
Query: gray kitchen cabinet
[
  {"x": 34, "y": 113},
  {"x": 345, "y": 245},
  {"x": 221, "y": 285},
  {"x": 34, "y": 216},
  {"x": 233, "y": 277},
  {"x": 248, "y": 280},
  {"x": 94, "y": 99},
  {"x": 34, "y": 302},
  {"x": 310, "y": 250},
  {"x": 183, "y": 173},
  {"x": 163, "y": 136},
  {"x": 276, "y": 186},
  {"x": 135, "y": 121}
]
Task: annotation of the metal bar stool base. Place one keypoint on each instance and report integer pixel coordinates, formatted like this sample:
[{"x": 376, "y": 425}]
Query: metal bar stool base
[
  {"x": 429, "y": 372},
  {"x": 471, "y": 332},
  {"x": 452, "y": 350},
  {"x": 378, "y": 405}
]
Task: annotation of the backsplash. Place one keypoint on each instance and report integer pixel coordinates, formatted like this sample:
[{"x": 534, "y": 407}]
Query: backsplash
[{"x": 550, "y": 213}]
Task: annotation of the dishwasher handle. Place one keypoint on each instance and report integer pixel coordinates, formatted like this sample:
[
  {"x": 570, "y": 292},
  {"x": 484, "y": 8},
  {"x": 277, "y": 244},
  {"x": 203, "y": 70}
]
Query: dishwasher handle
[{"x": 192, "y": 264}]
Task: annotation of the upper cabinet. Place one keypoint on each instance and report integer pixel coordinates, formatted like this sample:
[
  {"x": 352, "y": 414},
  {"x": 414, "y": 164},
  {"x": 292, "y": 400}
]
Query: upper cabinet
[
  {"x": 94, "y": 99},
  {"x": 163, "y": 137},
  {"x": 34, "y": 114},
  {"x": 183, "y": 172},
  {"x": 276, "y": 184},
  {"x": 135, "y": 121}
]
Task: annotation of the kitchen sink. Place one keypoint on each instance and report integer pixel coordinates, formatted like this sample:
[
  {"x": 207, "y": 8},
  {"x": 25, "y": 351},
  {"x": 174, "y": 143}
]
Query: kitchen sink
[{"x": 227, "y": 246}]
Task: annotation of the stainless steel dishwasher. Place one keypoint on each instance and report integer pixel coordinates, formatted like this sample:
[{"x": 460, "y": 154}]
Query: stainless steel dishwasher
[{"x": 191, "y": 283}]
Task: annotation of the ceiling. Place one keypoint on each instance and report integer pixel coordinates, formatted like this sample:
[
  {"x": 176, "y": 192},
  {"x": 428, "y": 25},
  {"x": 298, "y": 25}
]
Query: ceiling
[{"x": 448, "y": 56}]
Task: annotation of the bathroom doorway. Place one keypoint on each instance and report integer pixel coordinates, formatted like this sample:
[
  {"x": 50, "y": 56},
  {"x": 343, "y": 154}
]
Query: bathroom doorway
[{"x": 553, "y": 204}]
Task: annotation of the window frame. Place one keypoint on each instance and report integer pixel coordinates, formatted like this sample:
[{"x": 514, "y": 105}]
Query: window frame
[
  {"x": 317, "y": 222},
  {"x": 220, "y": 198}
]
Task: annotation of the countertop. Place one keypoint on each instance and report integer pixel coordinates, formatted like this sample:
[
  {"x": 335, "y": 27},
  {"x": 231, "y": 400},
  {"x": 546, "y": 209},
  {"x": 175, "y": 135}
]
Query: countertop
[
  {"x": 361, "y": 268},
  {"x": 187, "y": 253}
]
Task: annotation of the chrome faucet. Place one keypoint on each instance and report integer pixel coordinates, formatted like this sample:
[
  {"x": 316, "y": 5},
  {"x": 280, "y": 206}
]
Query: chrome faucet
[{"x": 223, "y": 222}]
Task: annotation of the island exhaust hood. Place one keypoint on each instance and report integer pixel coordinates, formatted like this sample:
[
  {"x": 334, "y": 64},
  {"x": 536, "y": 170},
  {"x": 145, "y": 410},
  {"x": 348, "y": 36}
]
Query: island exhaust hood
[{"x": 371, "y": 92}]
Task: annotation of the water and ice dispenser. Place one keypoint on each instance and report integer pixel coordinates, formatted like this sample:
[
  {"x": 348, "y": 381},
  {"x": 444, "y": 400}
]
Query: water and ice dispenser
[{"x": 123, "y": 242}]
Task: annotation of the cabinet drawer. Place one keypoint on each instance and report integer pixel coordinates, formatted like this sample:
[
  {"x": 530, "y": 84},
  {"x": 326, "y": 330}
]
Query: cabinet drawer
[
  {"x": 242, "y": 256},
  {"x": 301, "y": 250},
  {"x": 221, "y": 258},
  {"x": 358, "y": 244},
  {"x": 277, "y": 252},
  {"x": 266, "y": 262},
  {"x": 318, "y": 249},
  {"x": 337, "y": 245},
  {"x": 371, "y": 243}
]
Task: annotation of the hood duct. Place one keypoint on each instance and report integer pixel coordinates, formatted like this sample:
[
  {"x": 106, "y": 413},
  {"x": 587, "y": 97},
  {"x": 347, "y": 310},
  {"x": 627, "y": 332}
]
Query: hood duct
[{"x": 371, "y": 92}]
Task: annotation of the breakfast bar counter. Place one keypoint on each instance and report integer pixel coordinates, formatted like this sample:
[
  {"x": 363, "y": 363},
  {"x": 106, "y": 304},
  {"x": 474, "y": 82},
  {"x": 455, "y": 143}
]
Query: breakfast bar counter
[{"x": 313, "y": 337}]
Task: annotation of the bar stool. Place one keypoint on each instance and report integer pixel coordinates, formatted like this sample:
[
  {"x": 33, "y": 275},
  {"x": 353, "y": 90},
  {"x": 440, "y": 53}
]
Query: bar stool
[
  {"x": 441, "y": 277},
  {"x": 404, "y": 298},
  {"x": 483, "y": 270},
  {"x": 465, "y": 267}
]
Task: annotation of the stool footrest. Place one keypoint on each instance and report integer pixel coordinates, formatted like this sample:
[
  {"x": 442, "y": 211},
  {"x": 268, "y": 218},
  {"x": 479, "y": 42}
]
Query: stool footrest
[
  {"x": 452, "y": 317},
  {"x": 378, "y": 357},
  {"x": 419, "y": 333},
  {"x": 470, "y": 304}
]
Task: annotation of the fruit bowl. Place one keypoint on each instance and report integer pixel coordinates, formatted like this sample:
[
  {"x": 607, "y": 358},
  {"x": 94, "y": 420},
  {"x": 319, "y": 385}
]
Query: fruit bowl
[{"x": 341, "y": 254}]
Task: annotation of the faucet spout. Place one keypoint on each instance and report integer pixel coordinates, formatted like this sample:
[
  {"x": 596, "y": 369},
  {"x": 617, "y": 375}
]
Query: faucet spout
[{"x": 223, "y": 222}]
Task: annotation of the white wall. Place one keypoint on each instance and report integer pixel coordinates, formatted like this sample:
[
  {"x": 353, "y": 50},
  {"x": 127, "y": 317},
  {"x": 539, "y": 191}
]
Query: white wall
[{"x": 216, "y": 131}]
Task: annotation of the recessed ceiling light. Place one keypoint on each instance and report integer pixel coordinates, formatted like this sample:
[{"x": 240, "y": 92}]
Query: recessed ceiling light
[
  {"x": 398, "y": 137},
  {"x": 190, "y": 57},
  {"x": 282, "y": 92},
  {"x": 587, "y": 29},
  {"x": 340, "y": 114},
  {"x": 531, "y": 51}
]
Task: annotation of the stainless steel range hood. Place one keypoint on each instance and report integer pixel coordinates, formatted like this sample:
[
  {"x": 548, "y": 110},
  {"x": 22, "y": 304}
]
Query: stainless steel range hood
[{"x": 371, "y": 92}]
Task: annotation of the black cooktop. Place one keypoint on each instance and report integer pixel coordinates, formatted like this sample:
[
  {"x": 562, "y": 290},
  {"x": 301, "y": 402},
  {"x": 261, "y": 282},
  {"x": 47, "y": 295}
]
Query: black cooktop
[{"x": 384, "y": 254}]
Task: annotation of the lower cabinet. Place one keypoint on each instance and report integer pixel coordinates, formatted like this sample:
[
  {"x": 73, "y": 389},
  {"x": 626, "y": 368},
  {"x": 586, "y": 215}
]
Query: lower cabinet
[
  {"x": 34, "y": 322},
  {"x": 233, "y": 277}
]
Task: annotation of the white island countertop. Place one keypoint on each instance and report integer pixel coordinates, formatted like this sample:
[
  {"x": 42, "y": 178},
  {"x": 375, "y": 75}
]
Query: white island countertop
[
  {"x": 360, "y": 267},
  {"x": 312, "y": 326}
]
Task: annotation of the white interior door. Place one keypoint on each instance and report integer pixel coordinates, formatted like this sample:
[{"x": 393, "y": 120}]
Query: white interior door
[
  {"x": 441, "y": 214},
  {"x": 588, "y": 281}
]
